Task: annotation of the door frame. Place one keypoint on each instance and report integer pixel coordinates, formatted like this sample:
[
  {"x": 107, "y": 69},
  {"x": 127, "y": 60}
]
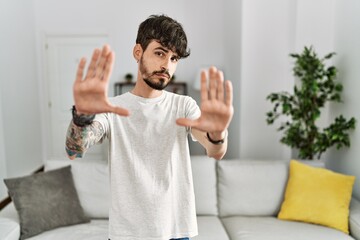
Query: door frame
[{"x": 44, "y": 86}]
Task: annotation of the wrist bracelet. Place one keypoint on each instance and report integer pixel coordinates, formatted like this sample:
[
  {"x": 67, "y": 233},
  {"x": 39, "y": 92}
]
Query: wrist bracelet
[
  {"x": 217, "y": 142},
  {"x": 81, "y": 120}
]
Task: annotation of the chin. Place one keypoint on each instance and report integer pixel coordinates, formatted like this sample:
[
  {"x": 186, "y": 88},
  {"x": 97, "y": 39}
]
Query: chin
[{"x": 157, "y": 85}]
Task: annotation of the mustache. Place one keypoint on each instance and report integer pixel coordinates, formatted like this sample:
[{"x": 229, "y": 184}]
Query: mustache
[{"x": 165, "y": 71}]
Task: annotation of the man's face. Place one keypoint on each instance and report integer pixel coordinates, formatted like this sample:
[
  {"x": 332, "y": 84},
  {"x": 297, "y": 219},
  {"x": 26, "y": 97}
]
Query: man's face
[{"x": 158, "y": 65}]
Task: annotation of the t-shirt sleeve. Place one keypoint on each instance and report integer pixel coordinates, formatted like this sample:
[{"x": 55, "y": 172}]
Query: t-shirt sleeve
[
  {"x": 192, "y": 109},
  {"x": 103, "y": 119},
  {"x": 192, "y": 112}
]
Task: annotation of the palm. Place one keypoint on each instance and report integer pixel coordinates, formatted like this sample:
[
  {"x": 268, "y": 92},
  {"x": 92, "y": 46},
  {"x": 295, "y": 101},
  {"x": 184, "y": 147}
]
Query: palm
[
  {"x": 90, "y": 93},
  {"x": 216, "y": 106},
  {"x": 215, "y": 117}
]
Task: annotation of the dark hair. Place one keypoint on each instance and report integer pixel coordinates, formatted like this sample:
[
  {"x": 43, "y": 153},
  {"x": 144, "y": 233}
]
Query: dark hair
[{"x": 165, "y": 30}]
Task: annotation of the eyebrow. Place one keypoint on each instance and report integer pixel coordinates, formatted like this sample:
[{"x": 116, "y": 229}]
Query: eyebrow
[
  {"x": 163, "y": 49},
  {"x": 167, "y": 50}
]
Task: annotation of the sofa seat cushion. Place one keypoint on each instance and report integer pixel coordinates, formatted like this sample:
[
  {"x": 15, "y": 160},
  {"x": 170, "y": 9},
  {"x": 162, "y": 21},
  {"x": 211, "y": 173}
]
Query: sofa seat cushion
[
  {"x": 210, "y": 228},
  {"x": 271, "y": 228},
  {"x": 95, "y": 230}
]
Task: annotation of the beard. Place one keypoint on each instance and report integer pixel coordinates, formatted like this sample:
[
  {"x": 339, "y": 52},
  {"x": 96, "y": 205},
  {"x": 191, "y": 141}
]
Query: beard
[{"x": 150, "y": 77}]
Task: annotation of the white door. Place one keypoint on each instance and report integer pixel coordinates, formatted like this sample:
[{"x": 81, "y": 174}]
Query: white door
[{"x": 63, "y": 54}]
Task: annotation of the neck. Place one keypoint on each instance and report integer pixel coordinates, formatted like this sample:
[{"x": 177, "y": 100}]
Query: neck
[{"x": 141, "y": 89}]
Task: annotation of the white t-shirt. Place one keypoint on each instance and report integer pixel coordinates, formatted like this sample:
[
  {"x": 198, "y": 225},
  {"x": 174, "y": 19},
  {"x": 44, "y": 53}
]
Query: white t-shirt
[{"x": 152, "y": 194}]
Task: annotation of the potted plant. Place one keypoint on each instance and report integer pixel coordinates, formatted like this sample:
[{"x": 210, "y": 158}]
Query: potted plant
[
  {"x": 300, "y": 110},
  {"x": 128, "y": 77}
]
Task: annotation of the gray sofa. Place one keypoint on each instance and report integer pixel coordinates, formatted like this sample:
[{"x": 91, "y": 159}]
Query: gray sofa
[{"x": 235, "y": 199}]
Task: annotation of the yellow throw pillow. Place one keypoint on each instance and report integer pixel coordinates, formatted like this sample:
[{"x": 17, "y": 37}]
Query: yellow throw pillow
[{"x": 317, "y": 195}]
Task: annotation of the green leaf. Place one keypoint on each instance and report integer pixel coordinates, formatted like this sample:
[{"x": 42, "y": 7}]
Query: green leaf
[
  {"x": 330, "y": 55},
  {"x": 270, "y": 114},
  {"x": 294, "y": 55},
  {"x": 286, "y": 107},
  {"x": 339, "y": 87}
]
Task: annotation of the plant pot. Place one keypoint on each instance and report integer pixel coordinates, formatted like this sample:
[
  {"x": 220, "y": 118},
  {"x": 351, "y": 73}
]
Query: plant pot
[{"x": 313, "y": 162}]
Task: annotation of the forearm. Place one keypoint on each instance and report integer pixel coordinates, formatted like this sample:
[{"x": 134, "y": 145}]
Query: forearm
[
  {"x": 217, "y": 150},
  {"x": 79, "y": 139}
]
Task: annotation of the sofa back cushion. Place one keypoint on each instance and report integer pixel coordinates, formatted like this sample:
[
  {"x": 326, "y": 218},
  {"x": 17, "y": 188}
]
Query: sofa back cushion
[
  {"x": 91, "y": 180},
  {"x": 204, "y": 177},
  {"x": 251, "y": 187}
]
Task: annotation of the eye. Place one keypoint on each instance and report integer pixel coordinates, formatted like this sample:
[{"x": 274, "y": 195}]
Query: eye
[
  {"x": 159, "y": 53},
  {"x": 174, "y": 58}
]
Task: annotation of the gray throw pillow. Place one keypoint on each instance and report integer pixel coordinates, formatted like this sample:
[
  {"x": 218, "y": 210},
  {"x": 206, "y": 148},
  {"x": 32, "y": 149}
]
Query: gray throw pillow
[{"x": 45, "y": 201}]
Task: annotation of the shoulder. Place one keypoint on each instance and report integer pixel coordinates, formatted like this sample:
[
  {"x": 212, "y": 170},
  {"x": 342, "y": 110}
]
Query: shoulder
[
  {"x": 119, "y": 99},
  {"x": 186, "y": 104},
  {"x": 180, "y": 99}
]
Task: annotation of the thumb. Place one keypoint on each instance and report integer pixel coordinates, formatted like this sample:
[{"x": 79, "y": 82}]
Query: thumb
[
  {"x": 186, "y": 122},
  {"x": 120, "y": 111}
]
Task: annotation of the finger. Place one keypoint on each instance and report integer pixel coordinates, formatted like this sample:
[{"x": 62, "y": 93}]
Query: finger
[
  {"x": 203, "y": 87},
  {"x": 117, "y": 110},
  {"x": 229, "y": 93},
  {"x": 185, "y": 122},
  {"x": 92, "y": 66},
  {"x": 212, "y": 82},
  {"x": 109, "y": 66},
  {"x": 220, "y": 86},
  {"x": 100, "y": 67},
  {"x": 80, "y": 70},
  {"x": 121, "y": 111}
]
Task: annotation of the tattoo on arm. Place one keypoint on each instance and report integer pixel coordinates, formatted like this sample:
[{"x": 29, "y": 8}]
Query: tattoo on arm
[{"x": 79, "y": 139}]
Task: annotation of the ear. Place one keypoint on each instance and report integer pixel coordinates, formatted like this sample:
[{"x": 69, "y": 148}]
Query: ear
[{"x": 137, "y": 52}]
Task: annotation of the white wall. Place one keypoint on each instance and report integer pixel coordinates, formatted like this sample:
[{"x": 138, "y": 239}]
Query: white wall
[
  {"x": 3, "y": 170},
  {"x": 271, "y": 30},
  {"x": 315, "y": 25},
  {"x": 233, "y": 68},
  {"x": 249, "y": 39},
  {"x": 120, "y": 20},
  {"x": 23, "y": 87},
  {"x": 267, "y": 39},
  {"x": 347, "y": 38},
  {"x": 19, "y": 89}
]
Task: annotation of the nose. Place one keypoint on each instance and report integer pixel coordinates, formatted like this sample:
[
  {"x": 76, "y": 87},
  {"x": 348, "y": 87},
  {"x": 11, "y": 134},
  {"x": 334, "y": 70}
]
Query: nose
[{"x": 165, "y": 65}]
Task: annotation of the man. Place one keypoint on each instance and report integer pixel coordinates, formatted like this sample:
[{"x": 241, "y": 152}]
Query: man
[{"x": 152, "y": 194}]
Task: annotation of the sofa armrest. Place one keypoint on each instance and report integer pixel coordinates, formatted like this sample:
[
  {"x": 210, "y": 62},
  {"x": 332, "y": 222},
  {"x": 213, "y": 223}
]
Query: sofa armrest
[
  {"x": 354, "y": 219},
  {"x": 9, "y": 229},
  {"x": 9, "y": 223}
]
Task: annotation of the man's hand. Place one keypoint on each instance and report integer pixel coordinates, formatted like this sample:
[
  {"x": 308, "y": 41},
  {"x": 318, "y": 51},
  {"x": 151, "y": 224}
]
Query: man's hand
[
  {"x": 216, "y": 106},
  {"x": 90, "y": 93}
]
